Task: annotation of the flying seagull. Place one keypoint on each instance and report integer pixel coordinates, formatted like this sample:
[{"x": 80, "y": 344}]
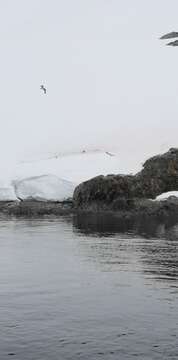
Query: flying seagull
[
  {"x": 171, "y": 35},
  {"x": 43, "y": 88}
]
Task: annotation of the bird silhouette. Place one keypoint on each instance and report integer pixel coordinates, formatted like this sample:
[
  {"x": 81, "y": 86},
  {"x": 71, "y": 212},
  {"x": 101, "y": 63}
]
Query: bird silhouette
[
  {"x": 173, "y": 43},
  {"x": 171, "y": 35},
  {"x": 43, "y": 88}
]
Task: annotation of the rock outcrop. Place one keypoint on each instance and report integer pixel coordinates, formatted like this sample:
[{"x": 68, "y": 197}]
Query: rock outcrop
[{"x": 124, "y": 192}]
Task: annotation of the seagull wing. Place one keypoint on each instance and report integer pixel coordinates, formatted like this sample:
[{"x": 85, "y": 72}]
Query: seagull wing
[
  {"x": 173, "y": 43},
  {"x": 170, "y": 35}
]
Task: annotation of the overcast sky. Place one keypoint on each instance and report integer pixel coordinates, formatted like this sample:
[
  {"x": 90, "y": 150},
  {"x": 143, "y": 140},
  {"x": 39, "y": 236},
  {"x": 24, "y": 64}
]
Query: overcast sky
[{"x": 110, "y": 80}]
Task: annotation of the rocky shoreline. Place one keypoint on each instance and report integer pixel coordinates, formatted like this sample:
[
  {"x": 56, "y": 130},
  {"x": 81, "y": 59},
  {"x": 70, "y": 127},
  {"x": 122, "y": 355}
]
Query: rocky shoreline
[
  {"x": 145, "y": 209},
  {"x": 130, "y": 196},
  {"x": 161, "y": 211},
  {"x": 35, "y": 209},
  {"x": 130, "y": 192}
]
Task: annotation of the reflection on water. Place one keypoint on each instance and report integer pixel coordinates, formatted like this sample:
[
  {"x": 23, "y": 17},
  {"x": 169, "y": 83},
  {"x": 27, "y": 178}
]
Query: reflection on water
[
  {"x": 88, "y": 287},
  {"x": 106, "y": 224},
  {"x": 157, "y": 252}
]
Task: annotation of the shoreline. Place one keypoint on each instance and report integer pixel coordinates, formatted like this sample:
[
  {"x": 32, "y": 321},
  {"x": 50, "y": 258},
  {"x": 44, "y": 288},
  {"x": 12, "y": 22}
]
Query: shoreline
[
  {"x": 130, "y": 197},
  {"x": 144, "y": 209},
  {"x": 34, "y": 209}
]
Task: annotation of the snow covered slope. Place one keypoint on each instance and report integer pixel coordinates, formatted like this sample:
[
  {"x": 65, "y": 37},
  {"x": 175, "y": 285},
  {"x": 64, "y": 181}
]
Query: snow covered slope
[
  {"x": 43, "y": 188},
  {"x": 73, "y": 167}
]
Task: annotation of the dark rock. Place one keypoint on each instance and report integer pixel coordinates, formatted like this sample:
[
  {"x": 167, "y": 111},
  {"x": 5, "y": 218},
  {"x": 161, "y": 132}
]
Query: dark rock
[
  {"x": 36, "y": 209},
  {"x": 128, "y": 192}
]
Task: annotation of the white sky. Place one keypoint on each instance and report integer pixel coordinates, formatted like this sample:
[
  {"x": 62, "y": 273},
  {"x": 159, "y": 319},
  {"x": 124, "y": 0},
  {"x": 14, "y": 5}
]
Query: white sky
[{"x": 110, "y": 81}]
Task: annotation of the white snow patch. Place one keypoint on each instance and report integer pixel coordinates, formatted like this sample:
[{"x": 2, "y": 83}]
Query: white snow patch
[
  {"x": 166, "y": 195},
  {"x": 44, "y": 188},
  {"x": 73, "y": 167},
  {"x": 7, "y": 194}
]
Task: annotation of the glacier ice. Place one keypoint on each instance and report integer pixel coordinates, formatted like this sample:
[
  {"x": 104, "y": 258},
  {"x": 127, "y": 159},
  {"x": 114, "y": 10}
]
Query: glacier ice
[{"x": 44, "y": 188}]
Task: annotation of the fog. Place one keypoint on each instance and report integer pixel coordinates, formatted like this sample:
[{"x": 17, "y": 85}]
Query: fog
[{"x": 111, "y": 83}]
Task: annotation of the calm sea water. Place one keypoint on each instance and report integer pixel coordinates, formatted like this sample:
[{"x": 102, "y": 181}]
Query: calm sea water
[{"x": 88, "y": 288}]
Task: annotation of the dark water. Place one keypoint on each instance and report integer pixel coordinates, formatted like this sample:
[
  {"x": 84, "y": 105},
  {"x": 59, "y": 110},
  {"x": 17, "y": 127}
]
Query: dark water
[{"x": 88, "y": 288}]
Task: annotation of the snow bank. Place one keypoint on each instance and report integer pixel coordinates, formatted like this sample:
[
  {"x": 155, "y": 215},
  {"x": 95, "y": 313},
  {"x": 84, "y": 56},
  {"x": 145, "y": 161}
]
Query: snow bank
[
  {"x": 43, "y": 188},
  {"x": 166, "y": 195},
  {"x": 75, "y": 167},
  {"x": 30, "y": 182},
  {"x": 7, "y": 194},
  {"x": 72, "y": 167}
]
